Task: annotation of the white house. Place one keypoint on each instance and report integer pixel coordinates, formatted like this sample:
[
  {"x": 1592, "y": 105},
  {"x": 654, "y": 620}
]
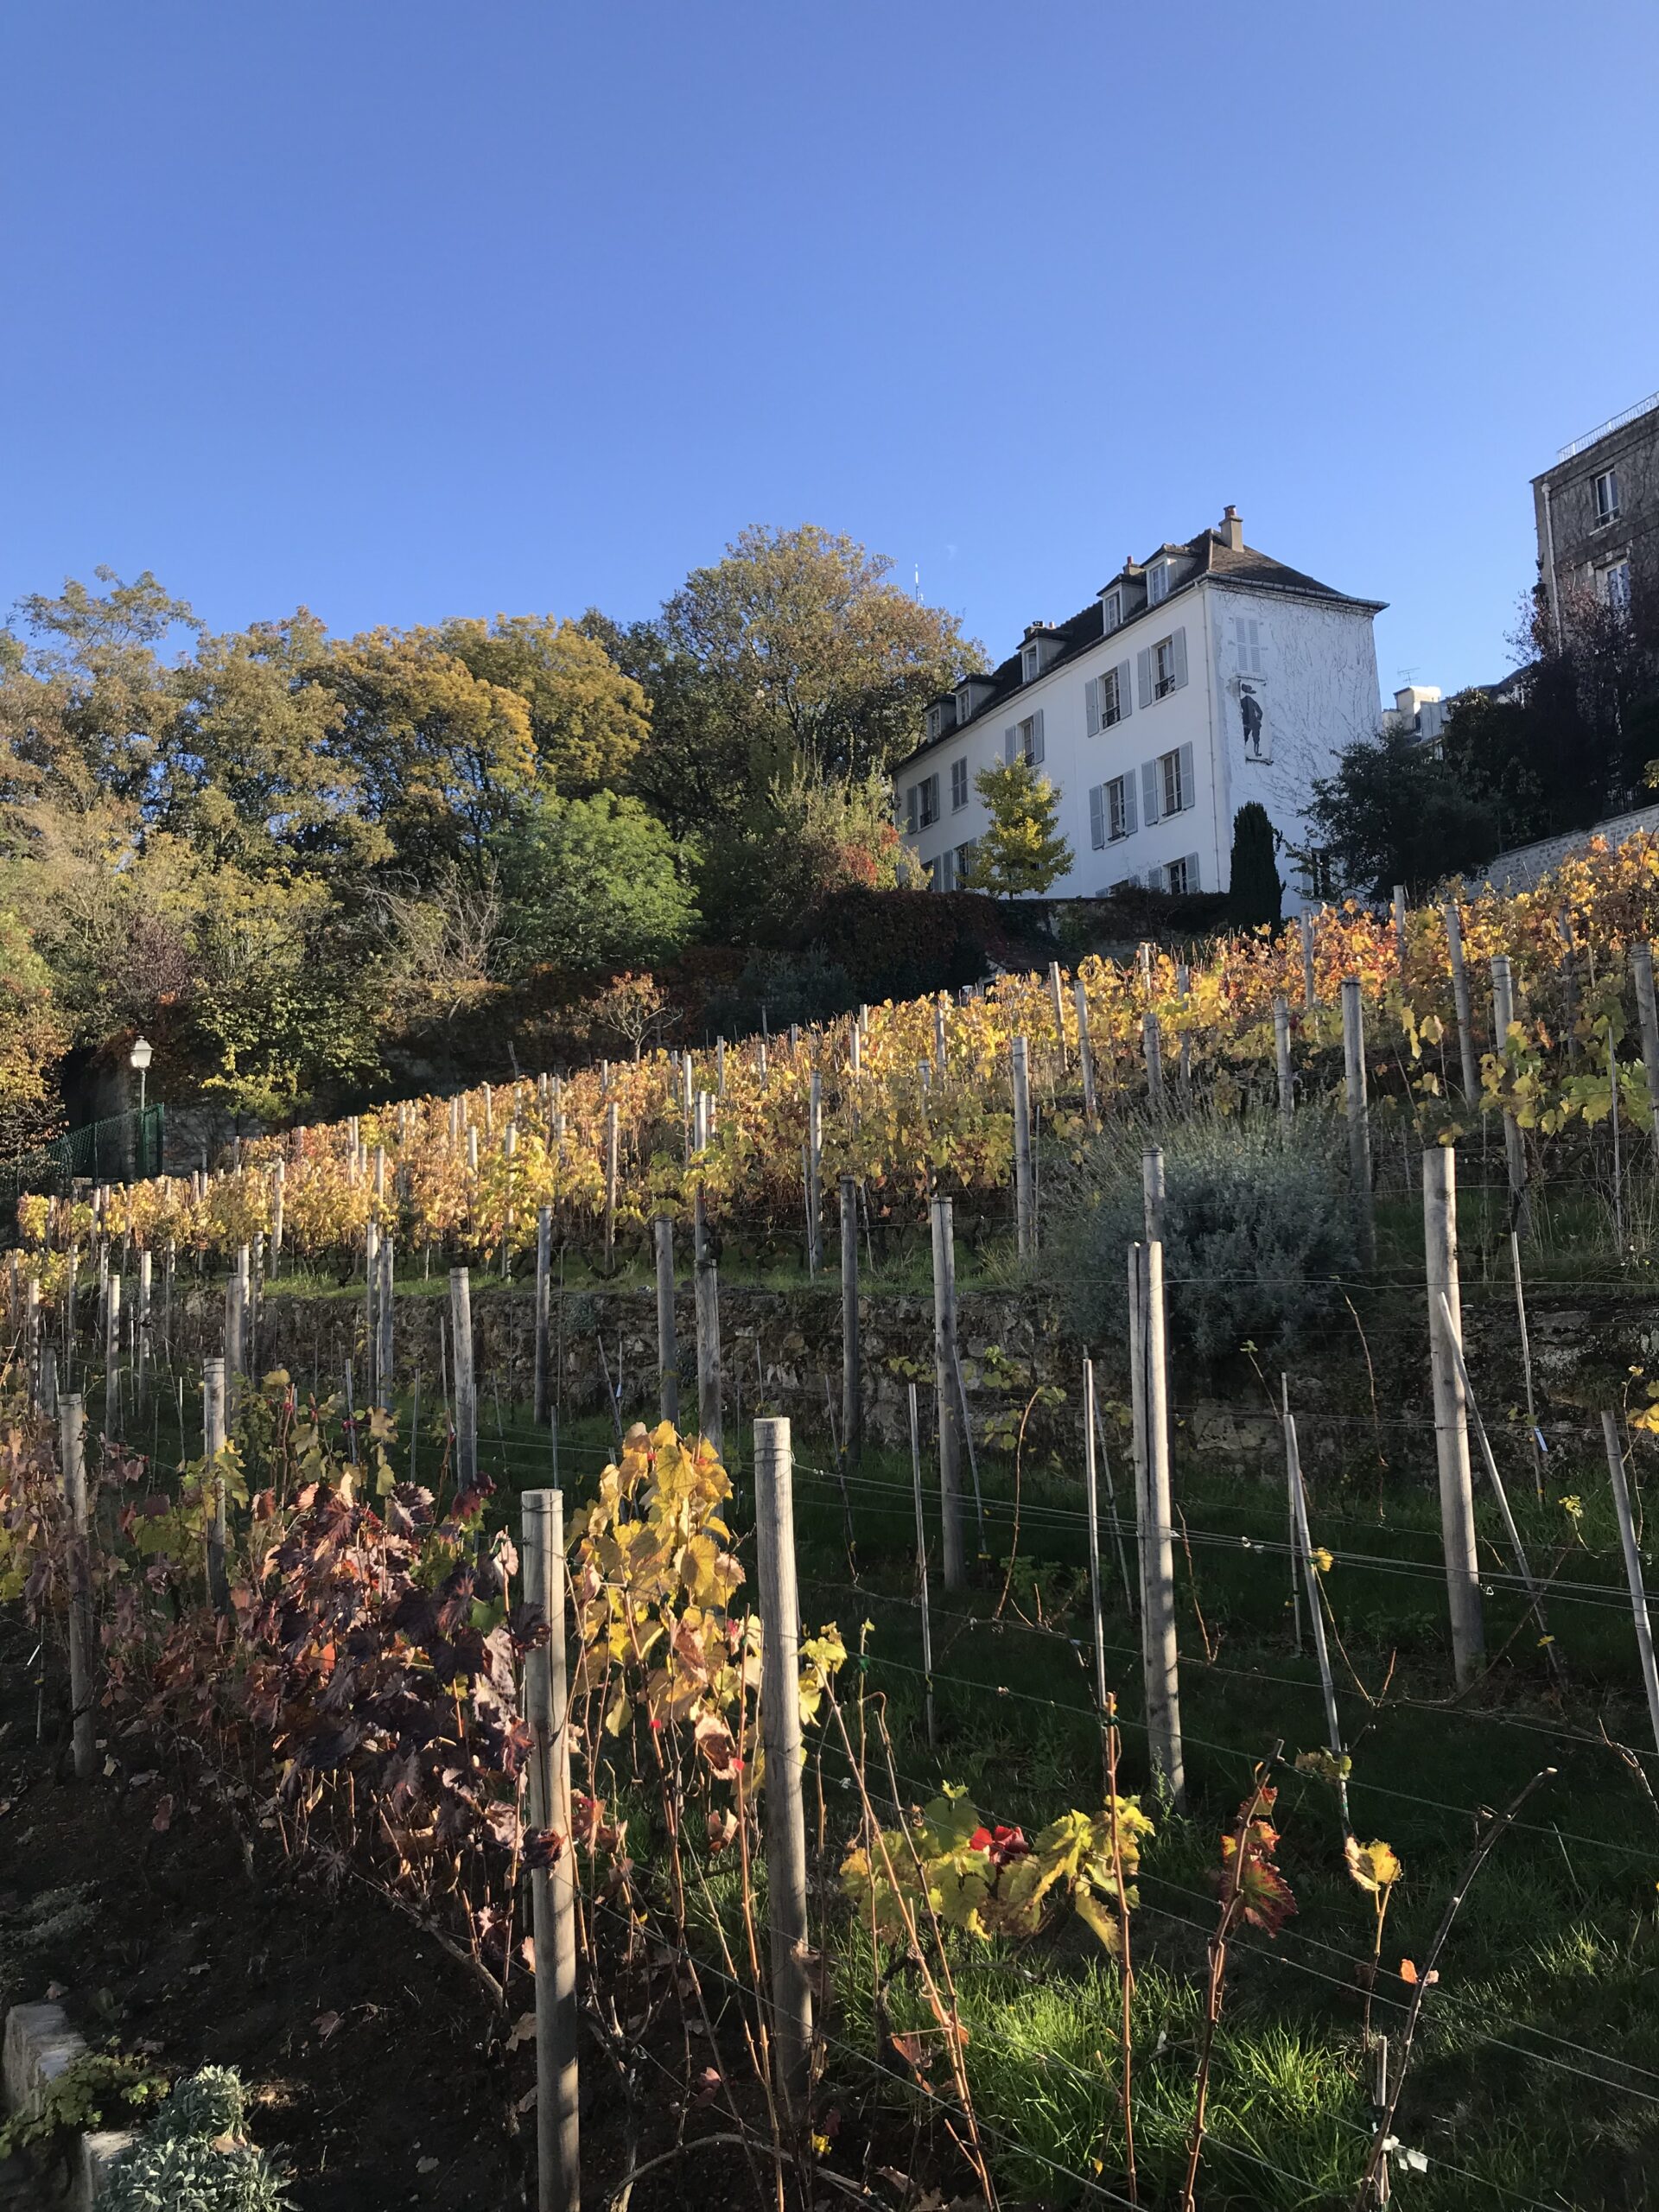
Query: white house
[{"x": 1202, "y": 677}]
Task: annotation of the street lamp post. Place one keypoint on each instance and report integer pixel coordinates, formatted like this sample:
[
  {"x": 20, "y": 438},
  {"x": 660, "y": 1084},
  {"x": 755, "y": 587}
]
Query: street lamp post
[{"x": 140, "y": 1057}]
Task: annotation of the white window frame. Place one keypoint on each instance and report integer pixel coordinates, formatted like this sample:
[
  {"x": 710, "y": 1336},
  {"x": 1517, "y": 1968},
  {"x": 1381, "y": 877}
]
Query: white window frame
[
  {"x": 1164, "y": 678},
  {"x": 1616, "y": 595},
  {"x": 1029, "y": 734},
  {"x": 965, "y": 858},
  {"x": 1111, "y": 611},
  {"x": 1173, "y": 797},
  {"x": 1157, "y": 583},
  {"x": 927, "y": 801},
  {"x": 1031, "y": 663},
  {"x": 959, "y": 784},
  {"x": 1607, "y": 508},
  {"x": 1110, "y": 714},
  {"x": 1117, "y": 810},
  {"x": 1175, "y": 890}
]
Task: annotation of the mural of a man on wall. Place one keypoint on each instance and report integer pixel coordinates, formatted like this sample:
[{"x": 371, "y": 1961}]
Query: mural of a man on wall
[{"x": 1252, "y": 713}]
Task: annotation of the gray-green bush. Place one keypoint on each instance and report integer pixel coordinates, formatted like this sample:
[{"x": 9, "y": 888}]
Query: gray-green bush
[
  {"x": 1257, "y": 1228},
  {"x": 189, "y": 2158}
]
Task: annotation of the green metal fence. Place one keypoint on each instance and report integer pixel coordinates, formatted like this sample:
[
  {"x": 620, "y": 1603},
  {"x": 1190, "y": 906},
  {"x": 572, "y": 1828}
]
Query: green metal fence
[{"x": 121, "y": 1149}]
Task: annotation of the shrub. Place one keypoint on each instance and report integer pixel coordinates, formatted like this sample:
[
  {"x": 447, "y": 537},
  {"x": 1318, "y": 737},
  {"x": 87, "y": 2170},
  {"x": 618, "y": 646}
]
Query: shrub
[
  {"x": 1256, "y": 1230},
  {"x": 190, "y": 2158}
]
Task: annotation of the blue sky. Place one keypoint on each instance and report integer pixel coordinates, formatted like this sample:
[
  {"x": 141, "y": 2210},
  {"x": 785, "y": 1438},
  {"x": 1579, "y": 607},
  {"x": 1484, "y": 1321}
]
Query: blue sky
[{"x": 416, "y": 310}]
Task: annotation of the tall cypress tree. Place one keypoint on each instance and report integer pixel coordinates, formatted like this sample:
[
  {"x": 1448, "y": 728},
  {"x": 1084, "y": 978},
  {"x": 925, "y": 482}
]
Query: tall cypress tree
[{"x": 1257, "y": 894}]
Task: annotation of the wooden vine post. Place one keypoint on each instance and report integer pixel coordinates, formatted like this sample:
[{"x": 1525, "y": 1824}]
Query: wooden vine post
[
  {"x": 1450, "y": 1411},
  {"x": 1646, "y": 1019},
  {"x": 553, "y": 1888},
  {"x": 1025, "y": 1224},
  {"x": 921, "y": 1564},
  {"x": 1153, "y": 1047},
  {"x": 1462, "y": 1002},
  {"x": 1282, "y": 1062},
  {"x": 710, "y": 1419},
  {"x": 1359, "y": 1120},
  {"x": 791, "y": 2006},
  {"x": 613, "y": 1141},
  {"x": 668, "y": 1351},
  {"x": 1632, "y": 1551},
  {"x": 814, "y": 1174},
  {"x": 83, "y": 1638},
  {"x": 112, "y": 1356},
  {"x": 1310, "y": 994},
  {"x": 1097, "y": 1597},
  {"x": 852, "y": 1401},
  {"x": 945, "y": 1386},
  {"x": 1159, "y": 1651},
  {"x": 460, "y": 1338},
  {"x": 1085, "y": 1054},
  {"x": 213, "y": 1394},
  {"x": 543, "y": 1312},
  {"x": 1515, "y": 1149},
  {"x": 385, "y": 1320}
]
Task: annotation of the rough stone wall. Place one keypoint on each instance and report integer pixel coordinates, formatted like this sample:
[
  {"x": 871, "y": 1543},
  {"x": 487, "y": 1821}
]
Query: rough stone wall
[{"x": 1361, "y": 1409}]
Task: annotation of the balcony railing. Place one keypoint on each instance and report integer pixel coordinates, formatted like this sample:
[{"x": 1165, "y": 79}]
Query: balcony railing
[{"x": 1605, "y": 429}]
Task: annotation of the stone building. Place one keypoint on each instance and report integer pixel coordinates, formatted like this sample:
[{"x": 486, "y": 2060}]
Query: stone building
[{"x": 1598, "y": 513}]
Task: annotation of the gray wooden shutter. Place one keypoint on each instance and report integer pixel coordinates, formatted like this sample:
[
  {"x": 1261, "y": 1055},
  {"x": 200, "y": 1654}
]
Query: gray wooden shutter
[
  {"x": 1091, "y": 704},
  {"x": 1124, "y": 688},
  {"x": 1143, "y": 675},
  {"x": 1178, "y": 643},
  {"x": 909, "y": 810},
  {"x": 1010, "y": 744},
  {"x": 1098, "y": 816},
  {"x": 1189, "y": 788},
  {"x": 1193, "y": 872},
  {"x": 1149, "y": 790},
  {"x": 1128, "y": 806},
  {"x": 1037, "y": 738}
]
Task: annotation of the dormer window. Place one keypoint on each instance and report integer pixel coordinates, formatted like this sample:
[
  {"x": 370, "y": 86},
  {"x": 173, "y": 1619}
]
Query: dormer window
[
  {"x": 1158, "y": 581},
  {"x": 1030, "y": 666},
  {"x": 940, "y": 717},
  {"x": 1111, "y": 609}
]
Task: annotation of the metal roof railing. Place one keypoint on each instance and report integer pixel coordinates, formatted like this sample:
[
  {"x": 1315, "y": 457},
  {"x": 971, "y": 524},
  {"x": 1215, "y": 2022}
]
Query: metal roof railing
[{"x": 1613, "y": 422}]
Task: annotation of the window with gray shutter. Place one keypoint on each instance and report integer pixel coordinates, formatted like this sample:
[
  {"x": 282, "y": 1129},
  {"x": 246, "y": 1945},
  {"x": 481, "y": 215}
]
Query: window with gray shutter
[
  {"x": 1189, "y": 786},
  {"x": 1010, "y": 745},
  {"x": 959, "y": 784},
  {"x": 1143, "y": 677},
  {"x": 1091, "y": 705},
  {"x": 948, "y": 869},
  {"x": 1120, "y": 808},
  {"x": 1149, "y": 791},
  {"x": 1121, "y": 672},
  {"x": 1191, "y": 865},
  {"x": 1179, "y": 641},
  {"x": 909, "y": 810},
  {"x": 1098, "y": 816}
]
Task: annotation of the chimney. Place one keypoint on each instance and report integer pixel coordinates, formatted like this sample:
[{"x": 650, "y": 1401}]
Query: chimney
[{"x": 1232, "y": 529}]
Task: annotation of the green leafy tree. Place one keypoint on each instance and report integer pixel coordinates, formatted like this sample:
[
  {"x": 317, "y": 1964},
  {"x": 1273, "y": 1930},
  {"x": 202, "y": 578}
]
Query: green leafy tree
[
  {"x": 32, "y": 1039},
  {"x": 1396, "y": 812},
  {"x": 1021, "y": 848},
  {"x": 1257, "y": 895},
  {"x": 592, "y": 883}
]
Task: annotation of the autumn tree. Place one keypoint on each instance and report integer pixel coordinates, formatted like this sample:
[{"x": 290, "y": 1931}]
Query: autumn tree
[
  {"x": 1020, "y": 849},
  {"x": 587, "y": 719}
]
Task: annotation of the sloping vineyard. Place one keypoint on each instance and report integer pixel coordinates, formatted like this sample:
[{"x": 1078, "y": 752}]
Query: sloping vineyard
[{"x": 921, "y": 1098}]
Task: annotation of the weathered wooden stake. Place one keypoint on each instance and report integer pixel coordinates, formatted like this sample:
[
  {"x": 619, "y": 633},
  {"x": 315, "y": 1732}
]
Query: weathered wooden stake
[
  {"x": 1151, "y": 1046},
  {"x": 1152, "y": 1191},
  {"x": 668, "y": 1351},
  {"x": 1161, "y": 1656},
  {"x": 1359, "y": 1120},
  {"x": 1281, "y": 1059},
  {"x": 213, "y": 1409},
  {"x": 921, "y": 1564},
  {"x": 613, "y": 1140},
  {"x": 1091, "y": 1503},
  {"x": 1468, "y": 1060},
  {"x": 1056, "y": 994},
  {"x": 112, "y": 1358},
  {"x": 1515, "y": 1149},
  {"x": 1400, "y": 927},
  {"x": 543, "y": 1303},
  {"x": 83, "y": 1636},
  {"x": 710, "y": 1419},
  {"x": 852, "y": 1398},
  {"x": 1315, "y": 1611},
  {"x": 460, "y": 1338},
  {"x": 1310, "y": 995},
  {"x": 1632, "y": 1570},
  {"x": 813, "y": 1174},
  {"x": 1647, "y": 1017},
  {"x": 553, "y": 1888},
  {"x": 791, "y": 2006},
  {"x": 1024, "y": 1211},
  {"x": 386, "y": 1315},
  {"x": 944, "y": 1385},
  {"x": 1085, "y": 1052},
  {"x": 1451, "y": 1416}
]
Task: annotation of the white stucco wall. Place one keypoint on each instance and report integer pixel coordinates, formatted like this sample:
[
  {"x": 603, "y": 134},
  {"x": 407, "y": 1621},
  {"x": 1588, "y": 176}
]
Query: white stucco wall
[{"x": 1317, "y": 684}]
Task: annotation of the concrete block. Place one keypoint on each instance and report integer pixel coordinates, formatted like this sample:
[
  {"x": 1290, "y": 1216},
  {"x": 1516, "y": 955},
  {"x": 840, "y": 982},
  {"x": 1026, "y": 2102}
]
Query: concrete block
[
  {"x": 39, "y": 2046},
  {"x": 99, "y": 2152}
]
